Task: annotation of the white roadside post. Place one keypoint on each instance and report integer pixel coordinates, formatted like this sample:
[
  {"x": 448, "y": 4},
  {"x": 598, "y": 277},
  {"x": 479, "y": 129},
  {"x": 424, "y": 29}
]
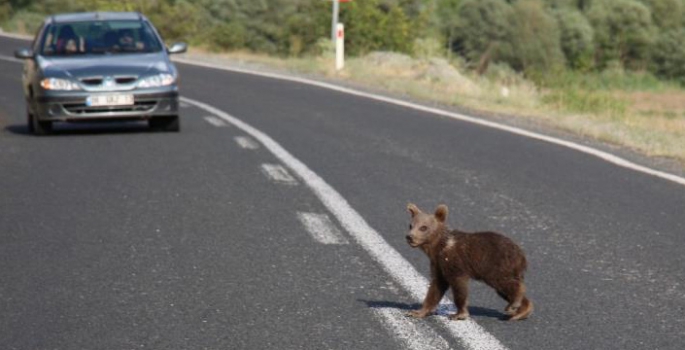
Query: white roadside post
[
  {"x": 340, "y": 47},
  {"x": 334, "y": 19}
]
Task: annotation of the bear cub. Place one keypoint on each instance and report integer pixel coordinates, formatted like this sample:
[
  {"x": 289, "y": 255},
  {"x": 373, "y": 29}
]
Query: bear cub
[{"x": 456, "y": 257}]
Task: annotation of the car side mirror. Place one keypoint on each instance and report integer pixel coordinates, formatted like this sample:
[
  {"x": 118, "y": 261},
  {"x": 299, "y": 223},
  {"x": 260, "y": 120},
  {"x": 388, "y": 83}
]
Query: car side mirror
[
  {"x": 178, "y": 48},
  {"x": 24, "y": 54}
]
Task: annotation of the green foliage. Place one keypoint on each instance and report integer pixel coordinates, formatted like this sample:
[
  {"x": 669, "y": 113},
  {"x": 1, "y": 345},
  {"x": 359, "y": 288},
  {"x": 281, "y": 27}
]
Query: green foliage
[
  {"x": 667, "y": 14},
  {"x": 586, "y": 102},
  {"x": 669, "y": 55},
  {"x": 228, "y": 36},
  {"x": 370, "y": 26},
  {"x": 577, "y": 39},
  {"x": 447, "y": 21},
  {"x": 624, "y": 32},
  {"x": 484, "y": 31},
  {"x": 5, "y": 10},
  {"x": 534, "y": 38}
]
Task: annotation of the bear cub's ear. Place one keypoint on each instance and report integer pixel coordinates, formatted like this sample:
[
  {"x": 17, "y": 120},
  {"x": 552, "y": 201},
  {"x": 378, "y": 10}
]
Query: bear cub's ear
[
  {"x": 441, "y": 213},
  {"x": 413, "y": 209}
]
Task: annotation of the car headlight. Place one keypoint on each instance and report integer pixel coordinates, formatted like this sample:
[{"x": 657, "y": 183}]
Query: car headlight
[
  {"x": 156, "y": 81},
  {"x": 59, "y": 84}
]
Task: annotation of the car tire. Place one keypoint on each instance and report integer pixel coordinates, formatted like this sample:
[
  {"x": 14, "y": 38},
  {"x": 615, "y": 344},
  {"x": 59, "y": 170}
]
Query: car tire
[
  {"x": 39, "y": 127},
  {"x": 169, "y": 124},
  {"x": 29, "y": 121}
]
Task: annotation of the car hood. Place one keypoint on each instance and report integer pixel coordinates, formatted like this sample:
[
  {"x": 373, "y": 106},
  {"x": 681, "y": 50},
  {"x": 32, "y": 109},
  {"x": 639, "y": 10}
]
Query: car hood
[{"x": 101, "y": 65}]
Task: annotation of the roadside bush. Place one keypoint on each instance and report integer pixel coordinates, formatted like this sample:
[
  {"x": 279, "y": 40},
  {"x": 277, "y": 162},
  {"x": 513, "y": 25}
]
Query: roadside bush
[
  {"x": 307, "y": 26},
  {"x": 372, "y": 26},
  {"x": 228, "y": 36},
  {"x": 484, "y": 32},
  {"x": 667, "y": 14},
  {"x": 577, "y": 39},
  {"x": 5, "y": 10},
  {"x": 623, "y": 31},
  {"x": 668, "y": 60},
  {"x": 535, "y": 39},
  {"x": 447, "y": 18}
]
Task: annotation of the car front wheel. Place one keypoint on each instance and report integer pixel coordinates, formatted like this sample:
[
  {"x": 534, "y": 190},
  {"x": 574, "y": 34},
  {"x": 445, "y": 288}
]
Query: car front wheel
[{"x": 37, "y": 126}]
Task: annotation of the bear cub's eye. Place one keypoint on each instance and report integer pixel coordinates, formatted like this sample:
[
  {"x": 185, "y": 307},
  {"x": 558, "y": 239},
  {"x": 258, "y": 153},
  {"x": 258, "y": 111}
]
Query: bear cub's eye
[
  {"x": 423, "y": 228},
  {"x": 411, "y": 226}
]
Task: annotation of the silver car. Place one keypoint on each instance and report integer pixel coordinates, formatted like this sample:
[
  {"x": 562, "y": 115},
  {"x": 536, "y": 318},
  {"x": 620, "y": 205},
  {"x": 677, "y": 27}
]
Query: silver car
[{"x": 100, "y": 66}]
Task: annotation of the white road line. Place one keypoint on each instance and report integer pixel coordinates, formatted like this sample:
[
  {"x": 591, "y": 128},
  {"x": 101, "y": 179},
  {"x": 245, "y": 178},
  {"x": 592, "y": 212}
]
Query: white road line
[
  {"x": 575, "y": 146},
  {"x": 218, "y": 122},
  {"x": 471, "y": 335},
  {"x": 10, "y": 59},
  {"x": 414, "y": 334},
  {"x": 17, "y": 36},
  {"x": 246, "y": 142},
  {"x": 279, "y": 174},
  {"x": 322, "y": 228},
  {"x": 184, "y": 105}
]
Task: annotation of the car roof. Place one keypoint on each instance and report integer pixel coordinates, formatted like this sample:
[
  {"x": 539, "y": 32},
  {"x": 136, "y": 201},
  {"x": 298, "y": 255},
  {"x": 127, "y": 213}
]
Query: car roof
[{"x": 94, "y": 16}]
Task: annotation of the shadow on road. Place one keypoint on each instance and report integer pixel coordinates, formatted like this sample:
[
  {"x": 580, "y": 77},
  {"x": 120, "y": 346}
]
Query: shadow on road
[{"x": 100, "y": 128}]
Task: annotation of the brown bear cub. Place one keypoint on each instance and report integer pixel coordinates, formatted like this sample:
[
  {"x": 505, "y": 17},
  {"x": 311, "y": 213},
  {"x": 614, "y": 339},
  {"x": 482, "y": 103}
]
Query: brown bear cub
[{"x": 456, "y": 257}]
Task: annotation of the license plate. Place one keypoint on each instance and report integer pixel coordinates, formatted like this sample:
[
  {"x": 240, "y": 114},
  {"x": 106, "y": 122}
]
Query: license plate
[{"x": 109, "y": 100}]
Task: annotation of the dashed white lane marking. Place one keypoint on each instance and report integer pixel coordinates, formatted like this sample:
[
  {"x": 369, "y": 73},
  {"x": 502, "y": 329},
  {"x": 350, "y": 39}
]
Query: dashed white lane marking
[
  {"x": 608, "y": 157},
  {"x": 322, "y": 228},
  {"x": 246, "y": 142},
  {"x": 279, "y": 174},
  {"x": 218, "y": 122},
  {"x": 414, "y": 334},
  {"x": 10, "y": 59},
  {"x": 470, "y": 334}
]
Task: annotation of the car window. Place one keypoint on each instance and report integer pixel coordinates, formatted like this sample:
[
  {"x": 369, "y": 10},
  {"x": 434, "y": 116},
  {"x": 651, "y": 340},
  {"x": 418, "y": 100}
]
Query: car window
[{"x": 99, "y": 37}]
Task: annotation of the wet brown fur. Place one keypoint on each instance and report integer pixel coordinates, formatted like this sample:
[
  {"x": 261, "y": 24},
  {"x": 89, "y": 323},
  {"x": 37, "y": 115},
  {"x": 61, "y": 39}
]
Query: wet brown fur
[{"x": 456, "y": 257}]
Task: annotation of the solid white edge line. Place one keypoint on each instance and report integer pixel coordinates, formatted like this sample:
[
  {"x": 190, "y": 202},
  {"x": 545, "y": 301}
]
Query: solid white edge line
[
  {"x": 10, "y": 59},
  {"x": 414, "y": 334},
  {"x": 608, "y": 157},
  {"x": 321, "y": 228},
  {"x": 468, "y": 332},
  {"x": 16, "y": 36}
]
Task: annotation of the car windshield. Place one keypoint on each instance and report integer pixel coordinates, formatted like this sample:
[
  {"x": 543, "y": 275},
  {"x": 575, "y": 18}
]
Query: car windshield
[{"x": 99, "y": 37}]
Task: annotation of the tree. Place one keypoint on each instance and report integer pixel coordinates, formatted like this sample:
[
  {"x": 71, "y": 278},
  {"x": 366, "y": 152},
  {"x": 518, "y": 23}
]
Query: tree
[
  {"x": 669, "y": 55},
  {"x": 534, "y": 38},
  {"x": 577, "y": 38},
  {"x": 624, "y": 32},
  {"x": 484, "y": 31},
  {"x": 374, "y": 27},
  {"x": 667, "y": 14},
  {"x": 447, "y": 13},
  {"x": 5, "y": 10}
]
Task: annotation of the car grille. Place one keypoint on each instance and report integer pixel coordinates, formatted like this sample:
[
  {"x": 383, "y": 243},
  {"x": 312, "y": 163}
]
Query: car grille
[
  {"x": 97, "y": 81},
  {"x": 82, "y": 109}
]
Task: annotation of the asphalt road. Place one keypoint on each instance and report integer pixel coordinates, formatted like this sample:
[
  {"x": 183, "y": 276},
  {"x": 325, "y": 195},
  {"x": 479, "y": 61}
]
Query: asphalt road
[{"x": 112, "y": 237}]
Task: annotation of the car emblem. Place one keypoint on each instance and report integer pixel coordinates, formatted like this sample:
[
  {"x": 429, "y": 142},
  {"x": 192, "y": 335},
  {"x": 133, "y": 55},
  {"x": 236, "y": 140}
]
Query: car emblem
[{"x": 108, "y": 82}]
